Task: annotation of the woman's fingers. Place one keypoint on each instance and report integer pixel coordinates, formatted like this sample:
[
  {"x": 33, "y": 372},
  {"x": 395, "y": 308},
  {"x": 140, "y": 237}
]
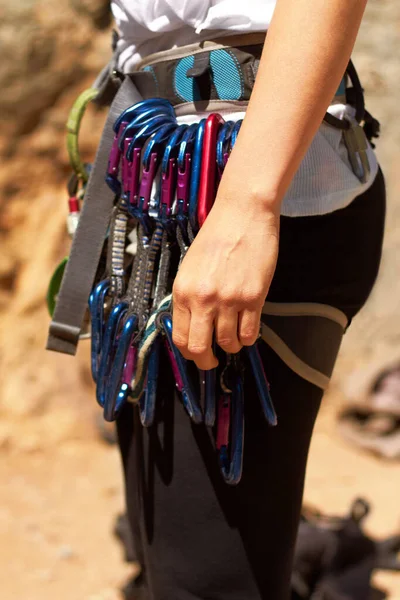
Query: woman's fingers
[
  {"x": 249, "y": 326},
  {"x": 226, "y": 330},
  {"x": 181, "y": 327},
  {"x": 192, "y": 331},
  {"x": 200, "y": 340}
]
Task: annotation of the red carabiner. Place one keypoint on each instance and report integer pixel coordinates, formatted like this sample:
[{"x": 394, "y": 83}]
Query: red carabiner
[{"x": 208, "y": 174}]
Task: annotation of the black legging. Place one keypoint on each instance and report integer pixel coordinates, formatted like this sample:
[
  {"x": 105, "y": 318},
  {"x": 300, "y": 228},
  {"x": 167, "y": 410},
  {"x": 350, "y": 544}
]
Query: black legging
[{"x": 196, "y": 537}]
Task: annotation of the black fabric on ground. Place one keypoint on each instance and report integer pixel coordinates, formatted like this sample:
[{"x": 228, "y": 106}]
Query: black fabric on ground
[{"x": 199, "y": 538}]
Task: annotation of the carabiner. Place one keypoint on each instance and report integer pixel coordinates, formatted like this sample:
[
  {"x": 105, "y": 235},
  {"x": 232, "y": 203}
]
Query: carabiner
[
  {"x": 235, "y": 133},
  {"x": 145, "y": 132},
  {"x": 195, "y": 174},
  {"x": 169, "y": 177},
  {"x": 186, "y": 144},
  {"x": 262, "y": 384},
  {"x": 140, "y": 209},
  {"x": 182, "y": 193},
  {"x": 208, "y": 180},
  {"x": 113, "y": 398},
  {"x": 140, "y": 194},
  {"x": 96, "y": 308},
  {"x": 224, "y": 136},
  {"x": 210, "y": 379},
  {"x": 189, "y": 395},
  {"x": 142, "y": 119},
  {"x": 156, "y": 142},
  {"x": 133, "y": 111},
  {"x": 206, "y": 197},
  {"x": 231, "y": 425},
  {"x": 183, "y": 177},
  {"x": 115, "y": 159},
  {"x": 108, "y": 349},
  {"x": 127, "y": 170},
  {"x": 173, "y": 145}
]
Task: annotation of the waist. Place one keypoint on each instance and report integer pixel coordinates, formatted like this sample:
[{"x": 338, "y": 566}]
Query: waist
[{"x": 213, "y": 71}]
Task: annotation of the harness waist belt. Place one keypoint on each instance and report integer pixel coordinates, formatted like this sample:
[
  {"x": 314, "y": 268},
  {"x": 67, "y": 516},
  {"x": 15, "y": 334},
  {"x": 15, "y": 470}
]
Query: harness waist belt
[{"x": 223, "y": 69}]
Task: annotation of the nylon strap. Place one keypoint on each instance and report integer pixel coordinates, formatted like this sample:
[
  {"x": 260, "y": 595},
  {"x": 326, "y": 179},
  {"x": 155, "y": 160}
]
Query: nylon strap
[{"x": 89, "y": 237}]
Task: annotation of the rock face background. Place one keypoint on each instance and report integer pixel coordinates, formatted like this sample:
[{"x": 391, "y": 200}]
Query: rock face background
[
  {"x": 60, "y": 484},
  {"x": 50, "y": 53}
]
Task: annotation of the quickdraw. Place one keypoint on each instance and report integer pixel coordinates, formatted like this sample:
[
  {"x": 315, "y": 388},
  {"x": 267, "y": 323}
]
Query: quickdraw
[{"x": 165, "y": 177}]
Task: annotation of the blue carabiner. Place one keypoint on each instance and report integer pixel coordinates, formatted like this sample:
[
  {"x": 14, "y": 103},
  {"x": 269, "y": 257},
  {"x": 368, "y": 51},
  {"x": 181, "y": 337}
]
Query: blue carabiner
[
  {"x": 156, "y": 141},
  {"x": 168, "y": 189},
  {"x": 173, "y": 146},
  {"x": 144, "y": 118},
  {"x": 189, "y": 395},
  {"x": 108, "y": 349},
  {"x": 195, "y": 174},
  {"x": 144, "y": 105},
  {"x": 231, "y": 454},
  {"x": 186, "y": 144},
  {"x": 183, "y": 177},
  {"x": 235, "y": 133},
  {"x": 145, "y": 132},
  {"x": 223, "y": 140},
  {"x": 96, "y": 308},
  {"x": 114, "y": 397},
  {"x": 261, "y": 383}
]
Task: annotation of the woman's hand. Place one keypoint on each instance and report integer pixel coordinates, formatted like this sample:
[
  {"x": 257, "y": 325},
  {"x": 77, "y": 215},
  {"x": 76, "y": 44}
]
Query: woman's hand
[{"x": 224, "y": 279}]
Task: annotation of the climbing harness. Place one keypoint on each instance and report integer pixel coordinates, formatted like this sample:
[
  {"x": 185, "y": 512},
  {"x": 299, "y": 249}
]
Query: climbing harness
[{"x": 133, "y": 216}]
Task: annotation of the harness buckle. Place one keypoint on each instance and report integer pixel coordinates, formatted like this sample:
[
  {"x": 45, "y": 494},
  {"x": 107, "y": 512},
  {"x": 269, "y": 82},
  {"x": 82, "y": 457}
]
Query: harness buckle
[{"x": 356, "y": 142}]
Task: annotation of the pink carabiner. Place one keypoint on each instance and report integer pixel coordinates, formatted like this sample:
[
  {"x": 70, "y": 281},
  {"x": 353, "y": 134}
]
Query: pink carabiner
[
  {"x": 168, "y": 188},
  {"x": 146, "y": 185},
  {"x": 134, "y": 177},
  {"x": 183, "y": 184},
  {"x": 116, "y": 152},
  {"x": 224, "y": 420}
]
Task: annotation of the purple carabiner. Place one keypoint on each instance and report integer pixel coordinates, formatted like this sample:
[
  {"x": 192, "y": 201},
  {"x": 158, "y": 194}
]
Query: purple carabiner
[
  {"x": 126, "y": 168},
  {"x": 135, "y": 177},
  {"x": 224, "y": 421},
  {"x": 168, "y": 180},
  {"x": 130, "y": 365},
  {"x": 174, "y": 367},
  {"x": 146, "y": 184},
  {"x": 183, "y": 185},
  {"x": 115, "y": 154}
]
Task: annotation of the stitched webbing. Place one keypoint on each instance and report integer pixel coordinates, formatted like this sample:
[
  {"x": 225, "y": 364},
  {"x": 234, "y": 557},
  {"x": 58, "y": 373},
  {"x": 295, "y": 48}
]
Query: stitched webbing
[{"x": 89, "y": 238}]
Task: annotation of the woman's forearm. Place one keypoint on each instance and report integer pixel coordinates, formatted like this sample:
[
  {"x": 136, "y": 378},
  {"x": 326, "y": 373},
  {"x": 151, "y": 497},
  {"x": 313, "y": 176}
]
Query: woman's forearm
[
  {"x": 305, "y": 55},
  {"x": 224, "y": 279}
]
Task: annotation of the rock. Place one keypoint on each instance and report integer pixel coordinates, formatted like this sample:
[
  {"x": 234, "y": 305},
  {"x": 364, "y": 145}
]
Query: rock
[
  {"x": 44, "y": 52},
  {"x": 48, "y": 57},
  {"x": 65, "y": 553}
]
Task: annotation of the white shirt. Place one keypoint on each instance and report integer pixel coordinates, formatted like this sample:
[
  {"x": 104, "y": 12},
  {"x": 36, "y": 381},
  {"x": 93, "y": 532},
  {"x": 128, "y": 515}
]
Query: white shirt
[
  {"x": 149, "y": 26},
  {"x": 324, "y": 181}
]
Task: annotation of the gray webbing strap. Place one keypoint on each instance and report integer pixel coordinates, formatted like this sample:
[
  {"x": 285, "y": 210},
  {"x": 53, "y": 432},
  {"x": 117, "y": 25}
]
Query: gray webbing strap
[{"x": 89, "y": 237}]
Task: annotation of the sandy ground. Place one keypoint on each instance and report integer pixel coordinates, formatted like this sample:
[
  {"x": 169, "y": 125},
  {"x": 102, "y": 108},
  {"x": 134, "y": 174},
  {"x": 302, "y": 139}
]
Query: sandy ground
[
  {"x": 58, "y": 501},
  {"x": 57, "y": 509}
]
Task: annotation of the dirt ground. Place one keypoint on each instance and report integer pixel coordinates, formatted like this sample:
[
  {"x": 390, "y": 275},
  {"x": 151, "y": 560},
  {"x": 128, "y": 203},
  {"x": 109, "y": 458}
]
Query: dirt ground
[{"x": 61, "y": 485}]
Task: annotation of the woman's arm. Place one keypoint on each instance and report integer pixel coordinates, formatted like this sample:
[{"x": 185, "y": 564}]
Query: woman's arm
[{"x": 225, "y": 277}]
